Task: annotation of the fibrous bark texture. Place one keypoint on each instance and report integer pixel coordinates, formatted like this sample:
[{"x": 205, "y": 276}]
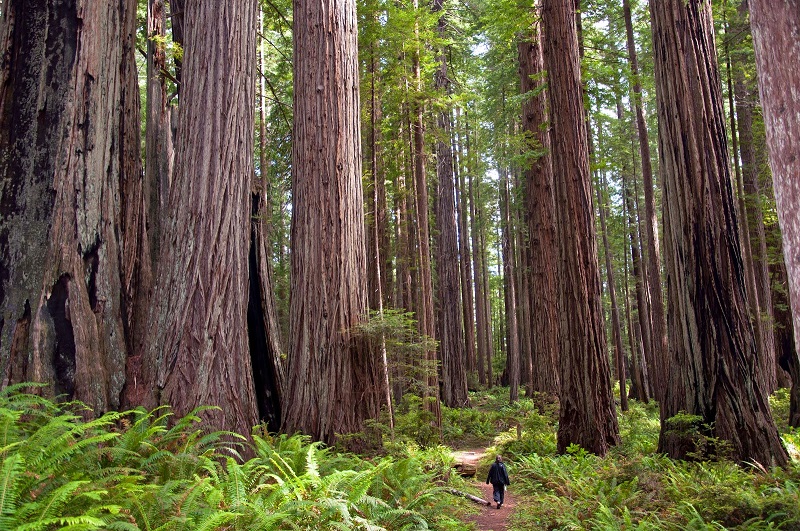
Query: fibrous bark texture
[
  {"x": 262, "y": 319},
  {"x": 198, "y": 321},
  {"x": 464, "y": 259},
  {"x": 137, "y": 253},
  {"x": 540, "y": 214},
  {"x": 711, "y": 340},
  {"x": 776, "y": 31},
  {"x": 61, "y": 147},
  {"x": 510, "y": 281},
  {"x": 333, "y": 383},
  {"x": 449, "y": 325},
  {"x": 587, "y": 417}
]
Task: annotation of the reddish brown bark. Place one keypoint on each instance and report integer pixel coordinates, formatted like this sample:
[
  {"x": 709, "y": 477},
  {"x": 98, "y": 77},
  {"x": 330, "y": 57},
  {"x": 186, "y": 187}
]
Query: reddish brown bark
[
  {"x": 510, "y": 280},
  {"x": 465, "y": 259},
  {"x": 448, "y": 322},
  {"x": 379, "y": 261},
  {"x": 587, "y": 417},
  {"x": 263, "y": 332},
  {"x": 712, "y": 343},
  {"x": 616, "y": 328},
  {"x": 198, "y": 344},
  {"x": 775, "y": 28},
  {"x": 137, "y": 252},
  {"x": 333, "y": 377},
  {"x": 483, "y": 322},
  {"x": 655, "y": 340},
  {"x": 540, "y": 213},
  {"x": 64, "y": 108},
  {"x": 425, "y": 316}
]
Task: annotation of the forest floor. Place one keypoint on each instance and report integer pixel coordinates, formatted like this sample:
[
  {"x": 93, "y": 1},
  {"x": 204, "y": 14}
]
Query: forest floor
[{"x": 489, "y": 518}]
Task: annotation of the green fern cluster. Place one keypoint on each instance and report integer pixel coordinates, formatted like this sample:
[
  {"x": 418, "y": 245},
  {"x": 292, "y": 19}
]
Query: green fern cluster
[
  {"x": 142, "y": 470},
  {"x": 632, "y": 488}
]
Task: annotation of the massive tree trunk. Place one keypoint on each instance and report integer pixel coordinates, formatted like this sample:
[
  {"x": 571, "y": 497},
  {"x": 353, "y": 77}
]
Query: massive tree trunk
[
  {"x": 784, "y": 337},
  {"x": 64, "y": 111},
  {"x": 775, "y": 27},
  {"x": 448, "y": 323},
  {"x": 199, "y": 344},
  {"x": 333, "y": 379},
  {"x": 540, "y": 213},
  {"x": 587, "y": 415},
  {"x": 655, "y": 344},
  {"x": 712, "y": 343}
]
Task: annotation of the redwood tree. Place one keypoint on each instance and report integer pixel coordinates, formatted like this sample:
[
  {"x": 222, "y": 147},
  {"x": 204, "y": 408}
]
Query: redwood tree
[
  {"x": 64, "y": 133},
  {"x": 448, "y": 288},
  {"x": 654, "y": 335},
  {"x": 333, "y": 383},
  {"x": 587, "y": 415},
  {"x": 540, "y": 214},
  {"x": 199, "y": 343},
  {"x": 711, "y": 340},
  {"x": 775, "y": 27}
]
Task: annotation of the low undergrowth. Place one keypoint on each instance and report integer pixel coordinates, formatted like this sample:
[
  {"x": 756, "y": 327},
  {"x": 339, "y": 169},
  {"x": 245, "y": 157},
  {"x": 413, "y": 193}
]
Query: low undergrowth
[
  {"x": 145, "y": 470},
  {"x": 635, "y": 488},
  {"x": 140, "y": 470}
]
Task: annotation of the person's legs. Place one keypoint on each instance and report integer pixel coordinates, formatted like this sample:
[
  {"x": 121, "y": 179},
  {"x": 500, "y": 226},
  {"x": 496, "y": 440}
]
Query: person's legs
[{"x": 498, "y": 493}]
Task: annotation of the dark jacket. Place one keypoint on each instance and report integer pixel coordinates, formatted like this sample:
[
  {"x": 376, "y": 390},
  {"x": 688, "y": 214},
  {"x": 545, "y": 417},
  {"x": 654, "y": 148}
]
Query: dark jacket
[{"x": 498, "y": 474}]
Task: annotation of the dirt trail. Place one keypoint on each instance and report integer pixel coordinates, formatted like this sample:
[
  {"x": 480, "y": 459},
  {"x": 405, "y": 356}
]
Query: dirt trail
[{"x": 489, "y": 518}]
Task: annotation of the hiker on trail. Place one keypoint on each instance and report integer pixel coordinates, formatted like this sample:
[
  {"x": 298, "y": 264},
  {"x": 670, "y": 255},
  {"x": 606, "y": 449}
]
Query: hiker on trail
[{"x": 498, "y": 477}]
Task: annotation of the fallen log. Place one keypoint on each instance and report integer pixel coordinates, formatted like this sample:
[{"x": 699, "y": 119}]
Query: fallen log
[{"x": 469, "y": 496}]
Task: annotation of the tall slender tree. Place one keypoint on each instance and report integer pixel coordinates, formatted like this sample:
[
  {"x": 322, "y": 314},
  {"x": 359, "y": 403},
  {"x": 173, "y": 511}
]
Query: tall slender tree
[
  {"x": 465, "y": 256},
  {"x": 587, "y": 415},
  {"x": 616, "y": 327},
  {"x": 712, "y": 343},
  {"x": 511, "y": 290},
  {"x": 449, "y": 324},
  {"x": 656, "y": 339}
]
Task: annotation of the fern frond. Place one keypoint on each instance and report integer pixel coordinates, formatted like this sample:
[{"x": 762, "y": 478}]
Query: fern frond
[
  {"x": 9, "y": 477},
  {"x": 57, "y": 499},
  {"x": 66, "y": 523}
]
